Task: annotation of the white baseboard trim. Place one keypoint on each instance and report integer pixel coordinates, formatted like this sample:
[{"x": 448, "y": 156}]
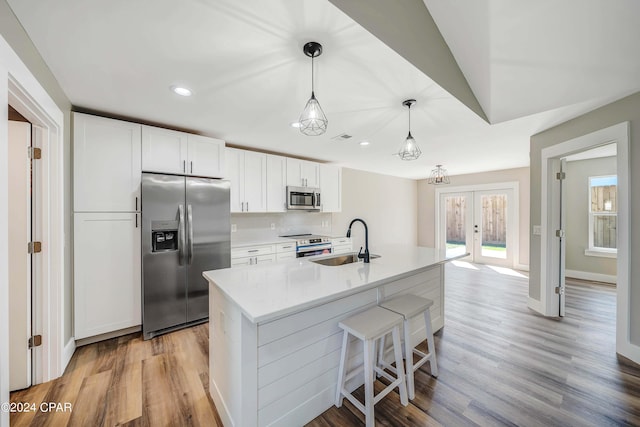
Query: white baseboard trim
[
  {"x": 521, "y": 267},
  {"x": 628, "y": 350},
  {"x": 67, "y": 353},
  {"x": 596, "y": 277},
  {"x": 108, "y": 336},
  {"x": 535, "y": 305}
]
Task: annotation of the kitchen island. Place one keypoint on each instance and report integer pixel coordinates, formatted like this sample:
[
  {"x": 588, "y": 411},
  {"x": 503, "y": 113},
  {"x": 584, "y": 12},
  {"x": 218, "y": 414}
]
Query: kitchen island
[{"x": 274, "y": 340}]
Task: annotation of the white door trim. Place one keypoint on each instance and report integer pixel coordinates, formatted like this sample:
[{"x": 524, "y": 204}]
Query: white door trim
[
  {"x": 508, "y": 185},
  {"x": 549, "y": 210},
  {"x": 20, "y": 88}
]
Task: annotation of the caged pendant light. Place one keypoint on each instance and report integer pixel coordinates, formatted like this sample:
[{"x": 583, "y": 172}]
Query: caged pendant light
[
  {"x": 312, "y": 121},
  {"x": 438, "y": 176},
  {"x": 409, "y": 149}
]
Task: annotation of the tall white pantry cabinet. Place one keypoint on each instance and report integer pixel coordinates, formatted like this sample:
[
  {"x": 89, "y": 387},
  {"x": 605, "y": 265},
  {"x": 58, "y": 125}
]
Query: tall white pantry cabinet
[{"x": 107, "y": 265}]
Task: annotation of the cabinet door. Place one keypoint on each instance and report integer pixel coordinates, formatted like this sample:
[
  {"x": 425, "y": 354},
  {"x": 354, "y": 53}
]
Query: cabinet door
[
  {"x": 255, "y": 178},
  {"x": 276, "y": 183},
  {"x": 107, "y": 167},
  {"x": 331, "y": 188},
  {"x": 286, "y": 255},
  {"x": 310, "y": 173},
  {"x": 294, "y": 172},
  {"x": 234, "y": 162},
  {"x": 163, "y": 150},
  {"x": 205, "y": 156},
  {"x": 107, "y": 272}
]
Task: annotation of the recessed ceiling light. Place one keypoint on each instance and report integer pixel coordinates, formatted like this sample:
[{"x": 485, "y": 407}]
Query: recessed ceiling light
[
  {"x": 295, "y": 124},
  {"x": 182, "y": 91},
  {"x": 364, "y": 143}
]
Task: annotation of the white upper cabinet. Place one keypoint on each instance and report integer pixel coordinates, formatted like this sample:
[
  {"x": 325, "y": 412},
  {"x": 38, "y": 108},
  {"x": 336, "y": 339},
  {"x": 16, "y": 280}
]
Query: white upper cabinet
[
  {"x": 163, "y": 150},
  {"x": 168, "y": 151},
  {"x": 247, "y": 172},
  {"x": 107, "y": 165},
  {"x": 331, "y": 188},
  {"x": 276, "y": 183},
  {"x": 205, "y": 156},
  {"x": 302, "y": 173}
]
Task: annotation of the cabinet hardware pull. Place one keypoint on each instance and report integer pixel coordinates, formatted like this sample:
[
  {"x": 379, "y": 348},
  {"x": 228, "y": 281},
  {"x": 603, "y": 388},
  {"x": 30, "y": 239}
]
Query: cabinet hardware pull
[
  {"x": 136, "y": 203},
  {"x": 191, "y": 166},
  {"x": 184, "y": 166},
  {"x": 136, "y": 220},
  {"x": 254, "y": 250}
]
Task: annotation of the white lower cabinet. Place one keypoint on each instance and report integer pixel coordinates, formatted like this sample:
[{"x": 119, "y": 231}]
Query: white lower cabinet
[
  {"x": 107, "y": 272},
  {"x": 253, "y": 255},
  {"x": 285, "y": 251}
]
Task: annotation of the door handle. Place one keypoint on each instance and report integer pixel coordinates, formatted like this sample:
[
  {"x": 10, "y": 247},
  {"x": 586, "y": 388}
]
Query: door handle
[
  {"x": 181, "y": 234},
  {"x": 190, "y": 236}
]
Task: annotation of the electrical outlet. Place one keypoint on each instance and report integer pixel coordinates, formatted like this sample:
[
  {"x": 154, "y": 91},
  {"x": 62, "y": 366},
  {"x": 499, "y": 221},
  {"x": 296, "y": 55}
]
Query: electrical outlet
[
  {"x": 273, "y": 226},
  {"x": 234, "y": 228},
  {"x": 537, "y": 230}
]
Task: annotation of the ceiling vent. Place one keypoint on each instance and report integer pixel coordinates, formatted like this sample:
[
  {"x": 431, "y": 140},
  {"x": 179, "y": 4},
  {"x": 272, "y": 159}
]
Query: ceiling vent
[{"x": 341, "y": 137}]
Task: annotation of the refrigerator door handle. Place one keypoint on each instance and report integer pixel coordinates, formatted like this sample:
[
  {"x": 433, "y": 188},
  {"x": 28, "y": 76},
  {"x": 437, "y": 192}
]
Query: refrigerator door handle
[
  {"x": 181, "y": 234},
  {"x": 190, "y": 236}
]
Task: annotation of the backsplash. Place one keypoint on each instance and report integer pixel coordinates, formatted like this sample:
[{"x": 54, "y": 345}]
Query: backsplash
[{"x": 258, "y": 226}]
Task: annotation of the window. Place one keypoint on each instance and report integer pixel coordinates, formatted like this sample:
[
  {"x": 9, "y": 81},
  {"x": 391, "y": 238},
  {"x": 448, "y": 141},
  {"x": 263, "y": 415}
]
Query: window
[{"x": 603, "y": 216}]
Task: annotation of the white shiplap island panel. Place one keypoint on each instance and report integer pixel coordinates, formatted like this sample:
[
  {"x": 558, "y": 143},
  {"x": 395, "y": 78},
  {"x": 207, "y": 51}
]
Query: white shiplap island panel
[{"x": 274, "y": 335}]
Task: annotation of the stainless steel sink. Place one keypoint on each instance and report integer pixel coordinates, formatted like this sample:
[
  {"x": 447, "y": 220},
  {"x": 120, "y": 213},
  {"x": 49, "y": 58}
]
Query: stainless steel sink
[{"x": 341, "y": 259}]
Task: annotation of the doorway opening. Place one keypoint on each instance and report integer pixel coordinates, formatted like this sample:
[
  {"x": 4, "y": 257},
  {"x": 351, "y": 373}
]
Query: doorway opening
[
  {"x": 554, "y": 218},
  {"x": 479, "y": 220}
]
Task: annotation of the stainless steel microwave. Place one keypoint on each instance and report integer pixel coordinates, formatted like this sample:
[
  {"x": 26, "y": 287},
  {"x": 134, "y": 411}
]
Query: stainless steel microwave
[{"x": 303, "y": 198}]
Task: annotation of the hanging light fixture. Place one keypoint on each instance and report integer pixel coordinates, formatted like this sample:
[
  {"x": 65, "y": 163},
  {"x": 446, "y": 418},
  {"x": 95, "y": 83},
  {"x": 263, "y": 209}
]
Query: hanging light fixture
[
  {"x": 312, "y": 121},
  {"x": 438, "y": 176},
  {"x": 409, "y": 149}
]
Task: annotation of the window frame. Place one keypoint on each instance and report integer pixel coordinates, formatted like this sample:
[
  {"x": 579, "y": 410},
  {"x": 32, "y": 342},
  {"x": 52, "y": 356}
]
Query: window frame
[{"x": 596, "y": 250}]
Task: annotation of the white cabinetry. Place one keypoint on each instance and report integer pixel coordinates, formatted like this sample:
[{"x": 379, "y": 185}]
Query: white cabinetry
[
  {"x": 331, "y": 188},
  {"x": 285, "y": 251},
  {"x": 253, "y": 255},
  {"x": 106, "y": 159},
  {"x": 107, "y": 272},
  {"x": 169, "y": 151},
  {"x": 341, "y": 245},
  {"x": 276, "y": 183},
  {"x": 302, "y": 173},
  {"x": 247, "y": 172}
]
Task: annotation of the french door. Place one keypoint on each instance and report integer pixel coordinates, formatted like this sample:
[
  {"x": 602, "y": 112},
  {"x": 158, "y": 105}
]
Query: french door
[{"x": 479, "y": 223}]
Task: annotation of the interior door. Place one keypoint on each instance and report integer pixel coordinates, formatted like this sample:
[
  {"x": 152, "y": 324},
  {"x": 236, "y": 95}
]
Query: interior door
[
  {"x": 456, "y": 223},
  {"x": 492, "y": 227},
  {"x": 561, "y": 239},
  {"x": 19, "y": 234}
]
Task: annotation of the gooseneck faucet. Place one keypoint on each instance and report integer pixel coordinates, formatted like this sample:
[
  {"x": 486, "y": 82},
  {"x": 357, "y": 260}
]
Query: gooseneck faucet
[{"x": 366, "y": 240}]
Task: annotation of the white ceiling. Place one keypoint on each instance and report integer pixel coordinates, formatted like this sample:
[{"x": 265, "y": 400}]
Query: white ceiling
[{"x": 244, "y": 62}]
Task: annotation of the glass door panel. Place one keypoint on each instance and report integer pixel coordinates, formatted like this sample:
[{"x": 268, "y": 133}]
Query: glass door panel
[
  {"x": 492, "y": 227},
  {"x": 455, "y": 218}
]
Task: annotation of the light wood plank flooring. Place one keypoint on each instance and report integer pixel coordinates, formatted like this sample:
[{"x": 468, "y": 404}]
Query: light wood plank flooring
[{"x": 500, "y": 364}]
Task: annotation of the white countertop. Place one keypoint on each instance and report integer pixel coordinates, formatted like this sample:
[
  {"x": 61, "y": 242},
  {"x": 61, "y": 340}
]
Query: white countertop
[{"x": 266, "y": 292}]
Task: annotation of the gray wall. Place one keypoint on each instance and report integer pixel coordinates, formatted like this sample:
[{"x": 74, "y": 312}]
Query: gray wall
[
  {"x": 426, "y": 205},
  {"x": 388, "y": 205},
  {"x": 626, "y": 109},
  {"x": 17, "y": 38},
  {"x": 577, "y": 184}
]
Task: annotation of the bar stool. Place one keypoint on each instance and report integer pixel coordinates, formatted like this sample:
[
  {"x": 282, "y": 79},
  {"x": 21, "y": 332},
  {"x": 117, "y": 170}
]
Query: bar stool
[
  {"x": 410, "y": 306},
  {"x": 369, "y": 326}
]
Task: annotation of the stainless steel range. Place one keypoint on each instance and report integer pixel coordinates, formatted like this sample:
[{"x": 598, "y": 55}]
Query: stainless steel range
[{"x": 310, "y": 244}]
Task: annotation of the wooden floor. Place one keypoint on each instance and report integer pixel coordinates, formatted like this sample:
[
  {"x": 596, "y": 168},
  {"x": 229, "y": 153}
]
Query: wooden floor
[
  {"x": 130, "y": 382},
  {"x": 500, "y": 364}
]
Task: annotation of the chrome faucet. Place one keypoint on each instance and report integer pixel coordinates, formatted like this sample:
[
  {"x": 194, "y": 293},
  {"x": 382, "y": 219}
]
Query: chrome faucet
[{"x": 364, "y": 255}]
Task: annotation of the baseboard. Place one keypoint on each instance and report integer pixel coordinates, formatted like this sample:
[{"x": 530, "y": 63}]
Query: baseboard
[
  {"x": 521, "y": 267},
  {"x": 221, "y": 407},
  {"x": 535, "y": 305},
  {"x": 586, "y": 275},
  {"x": 108, "y": 335},
  {"x": 628, "y": 350},
  {"x": 67, "y": 353}
]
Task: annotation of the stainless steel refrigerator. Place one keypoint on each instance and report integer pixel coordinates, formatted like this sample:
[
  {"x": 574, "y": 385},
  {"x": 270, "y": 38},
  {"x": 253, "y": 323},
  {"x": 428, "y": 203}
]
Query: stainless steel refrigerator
[{"x": 185, "y": 231}]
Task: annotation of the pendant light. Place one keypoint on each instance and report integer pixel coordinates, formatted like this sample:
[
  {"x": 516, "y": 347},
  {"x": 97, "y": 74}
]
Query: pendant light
[
  {"x": 438, "y": 176},
  {"x": 409, "y": 149},
  {"x": 312, "y": 121}
]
